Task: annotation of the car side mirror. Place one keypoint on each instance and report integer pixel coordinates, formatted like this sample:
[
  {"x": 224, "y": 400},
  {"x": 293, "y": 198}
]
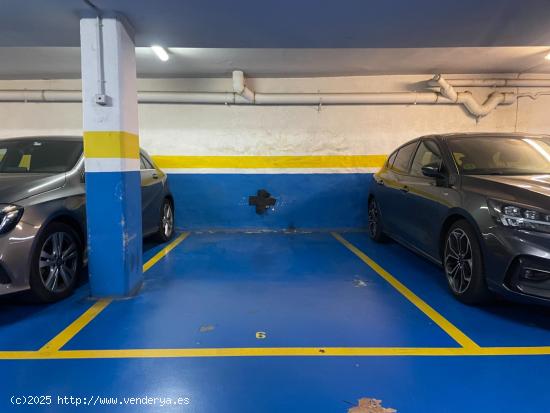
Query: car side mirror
[
  {"x": 431, "y": 170},
  {"x": 434, "y": 170}
]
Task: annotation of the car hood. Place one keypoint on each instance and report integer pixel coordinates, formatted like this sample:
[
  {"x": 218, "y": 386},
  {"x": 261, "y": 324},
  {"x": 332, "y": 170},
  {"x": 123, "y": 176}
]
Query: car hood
[
  {"x": 17, "y": 186},
  {"x": 531, "y": 190}
]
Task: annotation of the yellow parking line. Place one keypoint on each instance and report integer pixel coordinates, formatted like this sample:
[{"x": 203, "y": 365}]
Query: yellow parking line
[
  {"x": 437, "y": 318},
  {"x": 278, "y": 352},
  {"x": 72, "y": 329},
  {"x": 163, "y": 252},
  {"x": 83, "y": 320}
]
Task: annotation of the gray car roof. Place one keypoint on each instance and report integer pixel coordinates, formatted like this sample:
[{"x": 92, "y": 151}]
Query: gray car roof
[
  {"x": 487, "y": 134},
  {"x": 45, "y": 137}
]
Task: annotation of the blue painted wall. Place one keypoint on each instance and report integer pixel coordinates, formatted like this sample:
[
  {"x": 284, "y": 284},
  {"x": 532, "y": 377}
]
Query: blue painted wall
[{"x": 304, "y": 201}]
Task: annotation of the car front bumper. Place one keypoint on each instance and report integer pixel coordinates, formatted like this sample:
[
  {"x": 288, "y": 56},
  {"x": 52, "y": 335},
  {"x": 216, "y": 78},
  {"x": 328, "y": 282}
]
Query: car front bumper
[
  {"x": 16, "y": 249},
  {"x": 517, "y": 264}
]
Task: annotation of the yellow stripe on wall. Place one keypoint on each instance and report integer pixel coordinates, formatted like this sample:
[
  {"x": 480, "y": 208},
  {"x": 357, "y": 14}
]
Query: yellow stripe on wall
[
  {"x": 252, "y": 162},
  {"x": 111, "y": 144}
]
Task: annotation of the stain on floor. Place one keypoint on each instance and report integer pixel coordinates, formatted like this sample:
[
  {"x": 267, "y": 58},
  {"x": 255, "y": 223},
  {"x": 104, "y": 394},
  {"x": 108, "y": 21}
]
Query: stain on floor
[
  {"x": 368, "y": 405},
  {"x": 207, "y": 328}
]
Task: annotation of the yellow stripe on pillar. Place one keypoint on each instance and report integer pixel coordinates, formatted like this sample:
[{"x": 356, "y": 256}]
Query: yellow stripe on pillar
[{"x": 111, "y": 144}]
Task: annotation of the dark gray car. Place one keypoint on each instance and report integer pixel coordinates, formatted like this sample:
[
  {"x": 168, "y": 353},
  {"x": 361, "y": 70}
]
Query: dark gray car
[
  {"x": 477, "y": 204},
  {"x": 43, "y": 218}
]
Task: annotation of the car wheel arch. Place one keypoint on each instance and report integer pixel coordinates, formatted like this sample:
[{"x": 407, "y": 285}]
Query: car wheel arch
[
  {"x": 454, "y": 216},
  {"x": 170, "y": 198},
  {"x": 68, "y": 219},
  {"x": 373, "y": 197}
]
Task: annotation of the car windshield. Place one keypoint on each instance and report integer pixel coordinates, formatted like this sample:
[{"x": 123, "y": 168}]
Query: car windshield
[
  {"x": 501, "y": 155},
  {"x": 39, "y": 155}
]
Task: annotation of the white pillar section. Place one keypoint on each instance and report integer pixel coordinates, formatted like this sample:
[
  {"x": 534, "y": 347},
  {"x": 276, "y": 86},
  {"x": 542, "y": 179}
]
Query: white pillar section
[{"x": 111, "y": 150}]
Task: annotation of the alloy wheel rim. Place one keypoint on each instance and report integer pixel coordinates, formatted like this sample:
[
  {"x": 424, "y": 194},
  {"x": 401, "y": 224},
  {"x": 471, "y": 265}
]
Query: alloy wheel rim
[
  {"x": 167, "y": 220},
  {"x": 373, "y": 218},
  {"x": 458, "y": 261},
  {"x": 58, "y": 262}
]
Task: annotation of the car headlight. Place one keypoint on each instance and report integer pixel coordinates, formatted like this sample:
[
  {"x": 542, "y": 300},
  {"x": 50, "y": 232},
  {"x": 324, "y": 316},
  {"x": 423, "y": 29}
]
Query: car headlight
[
  {"x": 514, "y": 216},
  {"x": 9, "y": 217}
]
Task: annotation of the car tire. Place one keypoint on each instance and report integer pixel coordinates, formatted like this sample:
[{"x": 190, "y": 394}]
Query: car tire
[
  {"x": 56, "y": 263},
  {"x": 375, "y": 222},
  {"x": 463, "y": 264},
  {"x": 166, "y": 221}
]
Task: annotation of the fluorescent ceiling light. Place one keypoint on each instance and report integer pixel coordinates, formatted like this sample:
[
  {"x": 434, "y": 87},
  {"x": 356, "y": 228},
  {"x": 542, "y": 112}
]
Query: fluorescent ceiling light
[{"x": 161, "y": 53}]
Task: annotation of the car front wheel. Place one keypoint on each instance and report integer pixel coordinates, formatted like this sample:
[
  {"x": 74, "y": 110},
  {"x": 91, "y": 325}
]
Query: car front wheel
[
  {"x": 463, "y": 264},
  {"x": 56, "y": 263},
  {"x": 375, "y": 224},
  {"x": 166, "y": 224}
]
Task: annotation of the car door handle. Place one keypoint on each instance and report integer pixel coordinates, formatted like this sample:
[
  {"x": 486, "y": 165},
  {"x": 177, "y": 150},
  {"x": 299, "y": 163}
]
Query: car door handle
[
  {"x": 404, "y": 188},
  {"x": 380, "y": 182},
  {"x": 155, "y": 176}
]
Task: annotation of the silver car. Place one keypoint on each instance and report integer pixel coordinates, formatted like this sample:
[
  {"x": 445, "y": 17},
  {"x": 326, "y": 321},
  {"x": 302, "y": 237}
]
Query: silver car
[{"x": 43, "y": 215}]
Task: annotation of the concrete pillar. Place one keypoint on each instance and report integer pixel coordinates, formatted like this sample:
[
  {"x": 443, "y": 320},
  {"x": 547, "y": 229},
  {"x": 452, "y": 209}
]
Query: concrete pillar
[{"x": 111, "y": 150}]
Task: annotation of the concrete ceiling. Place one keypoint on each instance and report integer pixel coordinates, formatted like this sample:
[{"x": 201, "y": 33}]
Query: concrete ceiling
[
  {"x": 290, "y": 23},
  {"x": 52, "y": 63}
]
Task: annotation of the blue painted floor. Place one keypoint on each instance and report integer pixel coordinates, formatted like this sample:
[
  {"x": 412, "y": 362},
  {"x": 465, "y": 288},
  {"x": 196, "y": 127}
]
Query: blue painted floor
[
  {"x": 502, "y": 323},
  {"x": 301, "y": 290}
]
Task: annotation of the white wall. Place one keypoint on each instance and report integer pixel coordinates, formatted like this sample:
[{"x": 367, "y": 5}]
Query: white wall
[{"x": 254, "y": 130}]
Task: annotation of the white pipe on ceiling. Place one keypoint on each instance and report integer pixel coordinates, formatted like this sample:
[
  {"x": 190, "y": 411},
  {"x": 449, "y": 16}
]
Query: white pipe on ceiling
[
  {"x": 243, "y": 95},
  {"x": 240, "y": 88},
  {"x": 40, "y": 96},
  {"x": 75, "y": 96},
  {"x": 390, "y": 98},
  {"x": 466, "y": 98},
  {"x": 499, "y": 82},
  {"x": 189, "y": 97}
]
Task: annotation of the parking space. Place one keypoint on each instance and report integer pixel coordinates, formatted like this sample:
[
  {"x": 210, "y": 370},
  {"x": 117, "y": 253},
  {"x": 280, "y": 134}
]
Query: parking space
[
  {"x": 299, "y": 290},
  {"x": 278, "y": 290},
  {"x": 288, "y": 295},
  {"x": 236, "y": 290}
]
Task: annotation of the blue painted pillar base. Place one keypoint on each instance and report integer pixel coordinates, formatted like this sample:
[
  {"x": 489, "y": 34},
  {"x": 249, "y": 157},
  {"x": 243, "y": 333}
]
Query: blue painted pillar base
[{"x": 115, "y": 234}]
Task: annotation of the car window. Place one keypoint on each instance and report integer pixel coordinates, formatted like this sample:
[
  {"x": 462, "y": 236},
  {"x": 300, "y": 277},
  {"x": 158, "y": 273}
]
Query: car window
[
  {"x": 25, "y": 161},
  {"x": 391, "y": 158},
  {"x": 486, "y": 155},
  {"x": 401, "y": 163},
  {"x": 144, "y": 163},
  {"x": 40, "y": 155},
  {"x": 151, "y": 165},
  {"x": 427, "y": 153}
]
